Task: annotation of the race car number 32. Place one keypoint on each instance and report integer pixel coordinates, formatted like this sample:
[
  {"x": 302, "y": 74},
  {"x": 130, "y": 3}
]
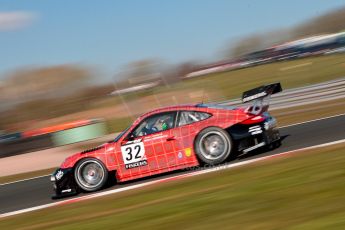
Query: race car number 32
[{"x": 134, "y": 155}]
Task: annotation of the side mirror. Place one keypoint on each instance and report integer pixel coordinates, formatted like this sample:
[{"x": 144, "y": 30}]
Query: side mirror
[{"x": 131, "y": 137}]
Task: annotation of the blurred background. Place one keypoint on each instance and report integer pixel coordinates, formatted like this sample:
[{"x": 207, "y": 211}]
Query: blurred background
[{"x": 77, "y": 64}]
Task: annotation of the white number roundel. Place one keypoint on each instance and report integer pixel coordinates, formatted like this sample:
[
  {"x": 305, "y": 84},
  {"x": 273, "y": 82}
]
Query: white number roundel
[{"x": 133, "y": 153}]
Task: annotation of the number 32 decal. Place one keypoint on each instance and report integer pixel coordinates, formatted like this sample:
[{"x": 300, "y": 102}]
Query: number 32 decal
[
  {"x": 133, "y": 153},
  {"x": 129, "y": 154}
]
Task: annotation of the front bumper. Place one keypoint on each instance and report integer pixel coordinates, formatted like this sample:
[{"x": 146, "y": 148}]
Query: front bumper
[{"x": 63, "y": 183}]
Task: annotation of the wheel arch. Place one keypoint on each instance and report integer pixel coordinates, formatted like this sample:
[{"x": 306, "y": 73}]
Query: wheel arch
[
  {"x": 211, "y": 126},
  {"x": 200, "y": 131},
  {"x": 111, "y": 177}
]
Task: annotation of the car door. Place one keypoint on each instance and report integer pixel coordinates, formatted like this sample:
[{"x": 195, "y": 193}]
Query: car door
[
  {"x": 188, "y": 125},
  {"x": 149, "y": 149}
]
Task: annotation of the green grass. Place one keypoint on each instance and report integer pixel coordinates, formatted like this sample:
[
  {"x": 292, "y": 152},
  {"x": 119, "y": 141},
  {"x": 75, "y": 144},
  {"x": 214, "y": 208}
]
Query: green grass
[
  {"x": 300, "y": 72},
  {"x": 118, "y": 124},
  {"x": 303, "y": 191}
]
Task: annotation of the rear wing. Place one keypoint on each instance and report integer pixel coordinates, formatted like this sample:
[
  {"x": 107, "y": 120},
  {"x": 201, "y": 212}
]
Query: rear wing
[
  {"x": 260, "y": 92},
  {"x": 260, "y": 96}
]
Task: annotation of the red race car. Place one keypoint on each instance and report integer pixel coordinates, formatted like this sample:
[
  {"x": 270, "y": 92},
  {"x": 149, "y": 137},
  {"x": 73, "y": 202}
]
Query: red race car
[{"x": 173, "y": 138}]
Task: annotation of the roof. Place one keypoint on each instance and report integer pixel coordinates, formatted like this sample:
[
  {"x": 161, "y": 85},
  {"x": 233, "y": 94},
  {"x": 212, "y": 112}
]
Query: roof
[
  {"x": 170, "y": 108},
  {"x": 199, "y": 106}
]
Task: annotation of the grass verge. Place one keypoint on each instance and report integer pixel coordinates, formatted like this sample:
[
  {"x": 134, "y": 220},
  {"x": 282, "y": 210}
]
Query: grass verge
[
  {"x": 303, "y": 191},
  {"x": 291, "y": 74}
]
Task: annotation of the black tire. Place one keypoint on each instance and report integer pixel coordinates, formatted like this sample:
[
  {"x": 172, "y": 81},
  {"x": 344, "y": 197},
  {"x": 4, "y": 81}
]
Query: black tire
[
  {"x": 90, "y": 174},
  {"x": 213, "y": 146}
]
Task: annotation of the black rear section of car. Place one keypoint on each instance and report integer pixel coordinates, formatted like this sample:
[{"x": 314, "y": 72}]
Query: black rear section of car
[{"x": 248, "y": 137}]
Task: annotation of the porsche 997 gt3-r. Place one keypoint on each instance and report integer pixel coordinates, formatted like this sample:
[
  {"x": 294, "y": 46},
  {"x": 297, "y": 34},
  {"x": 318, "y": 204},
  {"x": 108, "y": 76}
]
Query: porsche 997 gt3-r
[{"x": 173, "y": 138}]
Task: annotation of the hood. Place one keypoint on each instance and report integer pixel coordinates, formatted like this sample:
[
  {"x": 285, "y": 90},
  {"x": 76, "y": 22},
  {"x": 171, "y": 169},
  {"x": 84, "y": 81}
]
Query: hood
[{"x": 71, "y": 160}]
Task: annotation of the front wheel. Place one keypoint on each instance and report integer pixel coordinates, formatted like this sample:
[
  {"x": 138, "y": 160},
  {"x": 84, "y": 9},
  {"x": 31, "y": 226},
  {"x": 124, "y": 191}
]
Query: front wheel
[
  {"x": 90, "y": 174},
  {"x": 213, "y": 145}
]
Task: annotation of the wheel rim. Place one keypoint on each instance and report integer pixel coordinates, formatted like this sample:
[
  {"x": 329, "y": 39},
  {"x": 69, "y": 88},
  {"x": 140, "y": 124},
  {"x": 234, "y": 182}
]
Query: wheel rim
[
  {"x": 90, "y": 174},
  {"x": 213, "y": 145}
]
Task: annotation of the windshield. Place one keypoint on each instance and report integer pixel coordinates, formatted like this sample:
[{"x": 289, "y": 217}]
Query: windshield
[{"x": 121, "y": 134}]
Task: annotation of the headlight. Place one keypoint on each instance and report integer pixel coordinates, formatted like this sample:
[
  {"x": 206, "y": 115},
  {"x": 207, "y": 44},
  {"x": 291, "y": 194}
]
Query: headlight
[{"x": 52, "y": 178}]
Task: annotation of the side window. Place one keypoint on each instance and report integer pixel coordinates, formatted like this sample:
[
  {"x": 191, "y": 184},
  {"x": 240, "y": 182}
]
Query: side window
[
  {"x": 188, "y": 117},
  {"x": 155, "y": 123}
]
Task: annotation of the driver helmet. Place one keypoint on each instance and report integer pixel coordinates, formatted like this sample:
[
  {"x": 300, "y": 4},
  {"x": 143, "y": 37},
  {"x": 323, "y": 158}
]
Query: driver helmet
[
  {"x": 164, "y": 126},
  {"x": 165, "y": 123}
]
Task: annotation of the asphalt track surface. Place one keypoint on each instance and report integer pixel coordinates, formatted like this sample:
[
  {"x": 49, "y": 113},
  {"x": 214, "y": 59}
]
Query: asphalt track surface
[{"x": 34, "y": 192}]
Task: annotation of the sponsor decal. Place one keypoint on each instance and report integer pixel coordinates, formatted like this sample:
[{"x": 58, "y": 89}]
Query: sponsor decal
[
  {"x": 136, "y": 164},
  {"x": 188, "y": 152},
  {"x": 59, "y": 175},
  {"x": 133, "y": 142},
  {"x": 133, "y": 154},
  {"x": 180, "y": 155},
  {"x": 262, "y": 94},
  {"x": 255, "y": 130}
]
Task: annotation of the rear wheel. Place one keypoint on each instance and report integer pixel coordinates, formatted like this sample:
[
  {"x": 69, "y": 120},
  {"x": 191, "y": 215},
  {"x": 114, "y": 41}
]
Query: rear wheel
[
  {"x": 213, "y": 145},
  {"x": 90, "y": 174}
]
